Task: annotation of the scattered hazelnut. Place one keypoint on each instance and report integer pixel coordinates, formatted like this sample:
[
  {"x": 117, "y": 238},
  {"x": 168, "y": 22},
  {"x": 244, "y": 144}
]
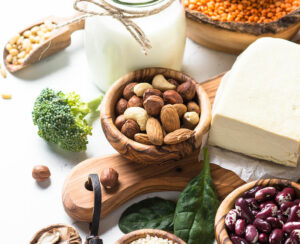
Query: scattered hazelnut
[
  {"x": 181, "y": 109},
  {"x": 130, "y": 128},
  {"x": 150, "y": 92},
  {"x": 128, "y": 90},
  {"x": 193, "y": 107},
  {"x": 135, "y": 101},
  {"x": 190, "y": 120},
  {"x": 187, "y": 90},
  {"x": 120, "y": 121},
  {"x": 172, "y": 97},
  {"x": 174, "y": 82},
  {"x": 40, "y": 173},
  {"x": 121, "y": 106},
  {"x": 109, "y": 178},
  {"x": 153, "y": 105}
]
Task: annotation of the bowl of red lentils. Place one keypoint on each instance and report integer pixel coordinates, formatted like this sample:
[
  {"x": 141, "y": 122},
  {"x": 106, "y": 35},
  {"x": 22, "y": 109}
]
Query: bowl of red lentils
[{"x": 232, "y": 25}]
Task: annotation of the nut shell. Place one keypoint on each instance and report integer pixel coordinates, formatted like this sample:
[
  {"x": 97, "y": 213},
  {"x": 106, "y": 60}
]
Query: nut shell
[
  {"x": 187, "y": 90},
  {"x": 40, "y": 173},
  {"x": 172, "y": 97},
  {"x": 121, "y": 106},
  {"x": 130, "y": 128},
  {"x": 153, "y": 105},
  {"x": 135, "y": 101},
  {"x": 128, "y": 90},
  {"x": 109, "y": 178},
  {"x": 169, "y": 118}
]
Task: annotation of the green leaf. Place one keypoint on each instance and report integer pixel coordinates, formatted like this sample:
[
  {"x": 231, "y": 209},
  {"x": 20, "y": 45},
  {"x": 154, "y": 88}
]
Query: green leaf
[
  {"x": 153, "y": 213},
  {"x": 196, "y": 208}
]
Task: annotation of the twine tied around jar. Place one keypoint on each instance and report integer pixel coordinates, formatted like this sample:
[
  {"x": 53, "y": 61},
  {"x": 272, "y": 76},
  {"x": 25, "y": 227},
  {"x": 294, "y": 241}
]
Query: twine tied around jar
[{"x": 125, "y": 16}]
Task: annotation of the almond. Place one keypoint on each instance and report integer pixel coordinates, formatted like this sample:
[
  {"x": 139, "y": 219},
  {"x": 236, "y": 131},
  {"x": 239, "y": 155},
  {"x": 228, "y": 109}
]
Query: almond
[
  {"x": 142, "y": 138},
  {"x": 154, "y": 132},
  {"x": 169, "y": 118},
  {"x": 178, "y": 136},
  {"x": 181, "y": 109}
]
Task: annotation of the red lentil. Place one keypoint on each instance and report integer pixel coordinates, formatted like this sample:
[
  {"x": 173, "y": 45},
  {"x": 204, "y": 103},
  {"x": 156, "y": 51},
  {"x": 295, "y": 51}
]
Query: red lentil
[{"x": 249, "y": 11}]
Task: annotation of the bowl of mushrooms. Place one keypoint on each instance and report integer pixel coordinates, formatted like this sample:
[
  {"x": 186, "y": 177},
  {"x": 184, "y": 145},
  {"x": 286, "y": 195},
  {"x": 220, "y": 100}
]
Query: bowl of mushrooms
[{"x": 155, "y": 115}]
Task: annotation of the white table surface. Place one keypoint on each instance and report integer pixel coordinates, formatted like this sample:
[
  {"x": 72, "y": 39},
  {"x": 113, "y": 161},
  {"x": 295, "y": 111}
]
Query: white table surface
[{"x": 26, "y": 206}]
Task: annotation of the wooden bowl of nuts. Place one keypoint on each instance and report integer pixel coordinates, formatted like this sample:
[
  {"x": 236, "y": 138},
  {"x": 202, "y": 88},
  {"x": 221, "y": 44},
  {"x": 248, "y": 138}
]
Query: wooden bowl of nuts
[
  {"x": 155, "y": 115},
  {"x": 231, "y": 26},
  {"x": 149, "y": 236},
  {"x": 263, "y": 211}
]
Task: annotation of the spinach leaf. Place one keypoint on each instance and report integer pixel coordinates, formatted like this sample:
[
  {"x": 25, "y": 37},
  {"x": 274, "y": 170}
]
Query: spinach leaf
[
  {"x": 196, "y": 208},
  {"x": 153, "y": 213}
]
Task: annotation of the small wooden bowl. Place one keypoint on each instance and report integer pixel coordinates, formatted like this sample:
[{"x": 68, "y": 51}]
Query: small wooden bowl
[
  {"x": 228, "y": 203},
  {"x": 235, "y": 37},
  {"x": 135, "y": 235},
  {"x": 150, "y": 154}
]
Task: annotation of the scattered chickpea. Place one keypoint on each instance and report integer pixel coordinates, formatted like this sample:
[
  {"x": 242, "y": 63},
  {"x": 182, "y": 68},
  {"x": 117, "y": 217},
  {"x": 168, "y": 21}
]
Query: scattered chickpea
[
  {"x": 249, "y": 11},
  {"x": 20, "y": 46}
]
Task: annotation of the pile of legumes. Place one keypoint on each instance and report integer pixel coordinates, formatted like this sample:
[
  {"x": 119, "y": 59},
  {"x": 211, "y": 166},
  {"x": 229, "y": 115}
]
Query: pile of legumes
[
  {"x": 250, "y": 11},
  {"x": 20, "y": 46},
  {"x": 152, "y": 240},
  {"x": 265, "y": 215}
]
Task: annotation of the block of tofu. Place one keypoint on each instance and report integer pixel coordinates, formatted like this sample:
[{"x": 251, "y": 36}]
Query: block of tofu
[{"x": 257, "y": 108}]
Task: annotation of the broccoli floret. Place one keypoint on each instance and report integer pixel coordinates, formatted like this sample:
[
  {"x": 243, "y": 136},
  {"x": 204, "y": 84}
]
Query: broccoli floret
[{"x": 61, "y": 119}]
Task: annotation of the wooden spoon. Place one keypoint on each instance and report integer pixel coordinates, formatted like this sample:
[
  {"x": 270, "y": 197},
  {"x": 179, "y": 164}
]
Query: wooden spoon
[{"x": 59, "y": 40}]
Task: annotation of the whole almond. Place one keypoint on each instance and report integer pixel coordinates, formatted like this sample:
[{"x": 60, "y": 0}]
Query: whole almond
[
  {"x": 142, "y": 138},
  {"x": 181, "y": 109},
  {"x": 178, "y": 136},
  {"x": 153, "y": 105},
  {"x": 172, "y": 97},
  {"x": 154, "y": 132},
  {"x": 169, "y": 118}
]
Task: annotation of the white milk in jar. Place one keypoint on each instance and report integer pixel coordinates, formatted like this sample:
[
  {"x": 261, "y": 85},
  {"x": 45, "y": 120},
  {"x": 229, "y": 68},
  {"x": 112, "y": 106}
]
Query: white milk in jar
[{"x": 113, "y": 52}]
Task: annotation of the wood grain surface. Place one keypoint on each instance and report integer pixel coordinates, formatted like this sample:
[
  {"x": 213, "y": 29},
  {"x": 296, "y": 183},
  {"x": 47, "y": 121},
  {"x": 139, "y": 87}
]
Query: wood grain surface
[
  {"x": 150, "y": 154},
  {"x": 228, "y": 203}
]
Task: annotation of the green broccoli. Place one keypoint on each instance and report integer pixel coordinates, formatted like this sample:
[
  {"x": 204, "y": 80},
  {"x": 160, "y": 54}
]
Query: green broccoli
[{"x": 61, "y": 119}]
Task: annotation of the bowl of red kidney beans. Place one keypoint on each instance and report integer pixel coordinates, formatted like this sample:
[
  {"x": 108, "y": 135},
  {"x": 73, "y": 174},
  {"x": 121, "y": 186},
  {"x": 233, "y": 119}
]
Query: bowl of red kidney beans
[{"x": 264, "y": 211}]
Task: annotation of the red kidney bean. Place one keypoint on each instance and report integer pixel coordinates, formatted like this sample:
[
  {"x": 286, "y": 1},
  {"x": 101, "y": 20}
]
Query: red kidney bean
[
  {"x": 254, "y": 212},
  {"x": 264, "y": 204},
  {"x": 231, "y": 219},
  {"x": 294, "y": 214},
  {"x": 251, "y": 193},
  {"x": 286, "y": 195},
  {"x": 251, "y": 234},
  {"x": 262, "y": 225},
  {"x": 269, "y": 211},
  {"x": 263, "y": 238},
  {"x": 238, "y": 240},
  {"x": 275, "y": 222},
  {"x": 265, "y": 194},
  {"x": 297, "y": 201},
  {"x": 276, "y": 237},
  {"x": 243, "y": 208},
  {"x": 290, "y": 226},
  {"x": 240, "y": 227},
  {"x": 281, "y": 217},
  {"x": 295, "y": 237},
  {"x": 252, "y": 203},
  {"x": 286, "y": 206}
]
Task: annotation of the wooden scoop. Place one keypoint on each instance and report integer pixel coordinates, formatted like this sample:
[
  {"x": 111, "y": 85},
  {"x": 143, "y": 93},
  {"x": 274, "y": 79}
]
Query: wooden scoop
[{"x": 59, "y": 40}]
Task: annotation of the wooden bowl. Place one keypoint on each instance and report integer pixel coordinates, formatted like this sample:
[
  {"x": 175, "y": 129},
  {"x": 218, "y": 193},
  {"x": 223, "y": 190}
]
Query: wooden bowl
[
  {"x": 235, "y": 37},
  {"x": 150, "y": 154},
  {"x": 135, "y": 235},
  {"x": 229, "y": 202}
]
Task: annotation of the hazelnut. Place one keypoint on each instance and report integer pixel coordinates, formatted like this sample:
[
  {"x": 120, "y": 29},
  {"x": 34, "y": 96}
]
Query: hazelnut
[
  {"x": 181, "y": 109},
  {"x": 120, "y": 121},
  {"x": 190, "y": 120},
  {"x": 187, "y": 90},
  {"x": 193, "y": 107},
  {"x": 150, "y": 92},
  {"x": 128, "y": 90},
  {"x": 174, "y": 82},
  {"x": 121, "y": 106},
  {"x": 153, "y": 105},
  {"x": 135, "y": 101},
  {"x": 109, "y": 178},
  {"x": 172, "y": 97},
  {"x": 130, "y": 128},
  {"x": 40, "y": 173}
]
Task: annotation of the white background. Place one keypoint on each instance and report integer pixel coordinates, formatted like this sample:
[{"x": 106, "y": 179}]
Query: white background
[{"x": 26, "y": 206}]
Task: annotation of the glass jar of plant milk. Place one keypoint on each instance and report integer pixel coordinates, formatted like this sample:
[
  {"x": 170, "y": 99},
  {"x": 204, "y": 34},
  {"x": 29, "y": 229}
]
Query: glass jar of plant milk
[{"x": 113, "y": 52}]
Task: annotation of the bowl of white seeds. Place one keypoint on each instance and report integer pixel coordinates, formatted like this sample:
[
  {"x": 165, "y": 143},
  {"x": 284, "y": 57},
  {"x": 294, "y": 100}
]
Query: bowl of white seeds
[{"x": 150, "y": 236}]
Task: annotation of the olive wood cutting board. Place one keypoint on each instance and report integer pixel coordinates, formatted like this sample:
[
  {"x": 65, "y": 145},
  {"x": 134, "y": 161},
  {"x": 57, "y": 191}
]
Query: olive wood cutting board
[{"x": 136, "y": 179}]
